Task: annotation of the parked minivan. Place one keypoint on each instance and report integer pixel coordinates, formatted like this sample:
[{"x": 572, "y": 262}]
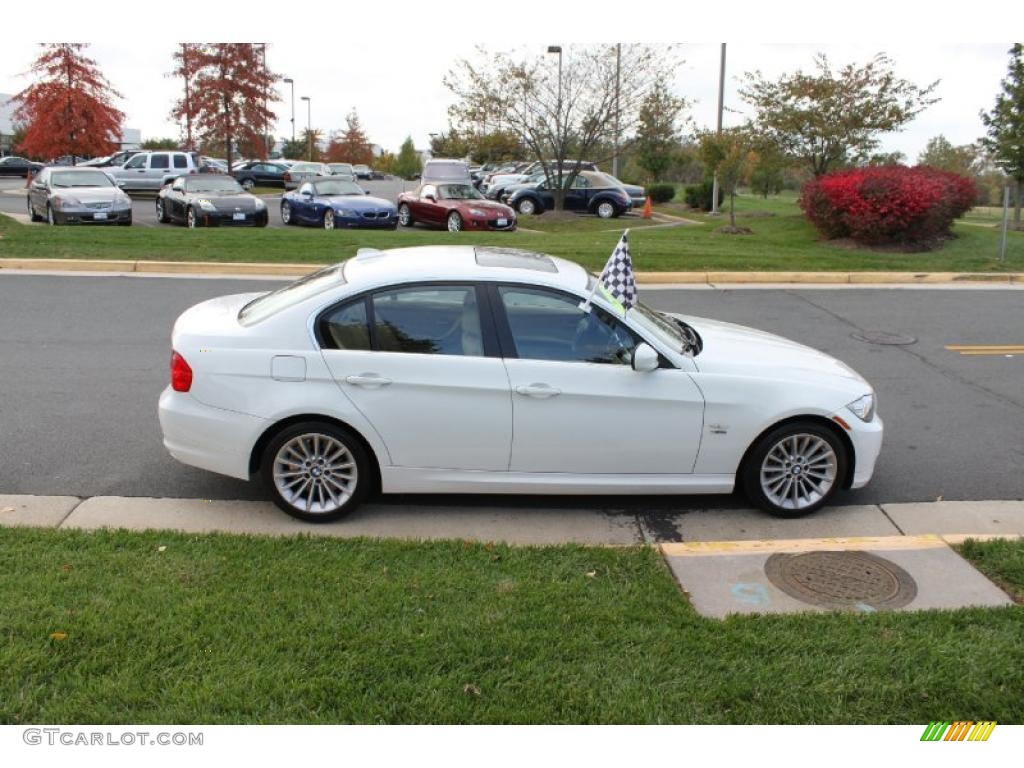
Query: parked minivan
[
  {"x": 446, "y": 171},
  {"x": 152, "y": 170}
]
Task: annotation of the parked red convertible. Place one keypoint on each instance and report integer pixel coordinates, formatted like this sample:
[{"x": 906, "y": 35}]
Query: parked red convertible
[{"x": 455, "y": 206}]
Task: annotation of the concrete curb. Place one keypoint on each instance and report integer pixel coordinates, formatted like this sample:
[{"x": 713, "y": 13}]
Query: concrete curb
[{"x": 648, "y": 278}]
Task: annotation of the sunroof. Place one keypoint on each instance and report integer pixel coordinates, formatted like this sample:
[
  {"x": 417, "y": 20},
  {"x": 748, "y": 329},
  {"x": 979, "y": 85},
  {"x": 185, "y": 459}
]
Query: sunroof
[{"x": 514, "y": 258}]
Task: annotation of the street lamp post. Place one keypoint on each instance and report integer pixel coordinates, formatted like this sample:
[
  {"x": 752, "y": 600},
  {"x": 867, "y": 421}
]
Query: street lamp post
[
  {"x": 618, "y": 69},
  {"x": 292, "y": 84},
  {"x": 309, "y": 125},
  {"x": 721, "y": 104},
  {"x": 558, "y": 117}
]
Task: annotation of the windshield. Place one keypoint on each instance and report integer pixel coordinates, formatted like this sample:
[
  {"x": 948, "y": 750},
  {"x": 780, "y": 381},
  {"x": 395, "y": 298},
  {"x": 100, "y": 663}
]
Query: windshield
[
  {"x": 212, "y": 184},
  {"x": 337, "y": 187},
  {"x": 293, "y": 293},
  {"x": 459, "y": 192},
  {"x": 665, "y": 329},
  {"x": 65, "y": 179}
]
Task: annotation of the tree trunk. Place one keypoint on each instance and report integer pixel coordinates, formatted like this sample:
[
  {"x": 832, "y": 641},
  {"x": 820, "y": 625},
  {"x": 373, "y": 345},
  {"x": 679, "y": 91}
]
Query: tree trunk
[
  {"x": 732, "y": 207},
  {"x": 1016, "y": 204}
]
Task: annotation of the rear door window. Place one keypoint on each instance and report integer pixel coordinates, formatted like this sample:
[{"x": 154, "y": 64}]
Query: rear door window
[
  {"x": 428, "y": 320},
  {"x": 180, "y": 161},
  {"x": 159, "y": 161}
]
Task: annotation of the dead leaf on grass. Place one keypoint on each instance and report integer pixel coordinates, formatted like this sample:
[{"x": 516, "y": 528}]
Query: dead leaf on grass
[
  {"x": 7, "y": 509},
  {"x": 470, "y": 689},
  {"x": 58, "y": 635},
  {"x": 591, "y": 574}
]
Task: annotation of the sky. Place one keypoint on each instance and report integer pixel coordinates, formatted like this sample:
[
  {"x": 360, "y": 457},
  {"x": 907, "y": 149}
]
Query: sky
[{"x": 398, "y": 94}]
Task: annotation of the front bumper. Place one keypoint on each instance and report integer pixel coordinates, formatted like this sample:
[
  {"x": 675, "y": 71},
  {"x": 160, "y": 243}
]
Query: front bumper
[
  {"x": 490, "y": 224},
  {"x": 363, "y": 221},
  {"x": 210, "y": 438},
  {"x": 867, "y": 443},
  {"x": 92, "y": 216},
  {"x": 227, "y": 218}
]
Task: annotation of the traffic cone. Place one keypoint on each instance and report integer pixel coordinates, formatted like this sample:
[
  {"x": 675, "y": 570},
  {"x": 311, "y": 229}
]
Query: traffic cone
[
  {"x": 28, "y": 179},
  {"x": 647, "y": 208}
]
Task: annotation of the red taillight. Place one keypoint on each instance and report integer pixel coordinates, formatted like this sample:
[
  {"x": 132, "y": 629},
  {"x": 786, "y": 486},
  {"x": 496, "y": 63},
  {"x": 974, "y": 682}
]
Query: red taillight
[
  {"x": 181, "y": 374},
  {"x": 287, "y": 176}
]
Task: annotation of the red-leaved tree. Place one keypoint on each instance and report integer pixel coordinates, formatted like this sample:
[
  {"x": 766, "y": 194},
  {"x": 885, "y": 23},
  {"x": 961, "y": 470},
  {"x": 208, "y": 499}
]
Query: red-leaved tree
[
  {"x": 351, "y": 146},
  {"x": 185, "y": 67},
  {"x": 69, "y": 110},
  {"x": 228, "y": 95},
  {"x": 888, "y": 204}
]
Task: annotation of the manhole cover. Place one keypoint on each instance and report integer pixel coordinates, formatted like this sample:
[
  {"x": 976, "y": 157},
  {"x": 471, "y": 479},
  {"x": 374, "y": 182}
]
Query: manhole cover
[
  {"x": 884, "y": 337},
  {"x": 841, "y": 579}
]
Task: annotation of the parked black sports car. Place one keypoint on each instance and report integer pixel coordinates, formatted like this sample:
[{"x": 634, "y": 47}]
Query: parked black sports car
[
  {"x": 260, "y": 173},
  {"x": 18, "y": 166},
  {"x": 207, "y": 200}
]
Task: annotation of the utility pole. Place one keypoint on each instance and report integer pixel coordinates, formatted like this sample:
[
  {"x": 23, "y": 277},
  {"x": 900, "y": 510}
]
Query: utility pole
[
  {"x": 618, "y": 70},
  {"x": 721, "y": 105},
  {"x": 309, "y": 125},
  {"x": 292, "y": 84}
]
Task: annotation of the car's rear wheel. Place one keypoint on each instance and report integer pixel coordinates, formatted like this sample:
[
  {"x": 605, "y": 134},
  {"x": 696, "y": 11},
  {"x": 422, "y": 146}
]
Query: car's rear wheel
[
  {"x": 32, "y": 212},
  {"x": 526, "y": 206},
  {"x": 248, "y": 184},
  {"x": 51, "y": 218},
  {"x": 316, "y": 471},
  {"x": 795, "y": 469},
  {"x": 191, "y": 220},
  {"x": 606, "y": 210},
  {"x": 405, "y": 215},
  {"x": 454, "y": 222},
  {"x": 328, "y": 219},
  {"x": 161, "y": 212},
  {"x": 286, "y": 213}
]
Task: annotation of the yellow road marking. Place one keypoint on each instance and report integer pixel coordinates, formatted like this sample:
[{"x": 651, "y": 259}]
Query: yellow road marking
[
  {"x": 987, "y": 349},
  {"x": 703, "y": 548}
]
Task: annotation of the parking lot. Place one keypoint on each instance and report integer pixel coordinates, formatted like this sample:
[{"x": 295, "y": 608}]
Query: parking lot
[
  {"x": 86, "y": 358},
  {"x": 12, "y": 200}
]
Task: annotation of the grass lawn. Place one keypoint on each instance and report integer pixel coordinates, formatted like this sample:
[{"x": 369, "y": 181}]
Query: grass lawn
[
  {"x": 781, "y": 241},
  {"x": 220, "y": 628}
]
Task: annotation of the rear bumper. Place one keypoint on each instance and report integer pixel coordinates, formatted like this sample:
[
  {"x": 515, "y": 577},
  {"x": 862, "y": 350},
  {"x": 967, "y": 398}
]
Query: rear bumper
[
  {"x": 867, "y": 444},
  {"x": 208, "y": 438},
  {"x": 89, "y": 217}
]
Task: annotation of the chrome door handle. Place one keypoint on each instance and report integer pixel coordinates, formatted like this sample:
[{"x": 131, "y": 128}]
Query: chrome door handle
[
  {"x": 538, "y": 390},
  {"x": 371, "y": 380}
]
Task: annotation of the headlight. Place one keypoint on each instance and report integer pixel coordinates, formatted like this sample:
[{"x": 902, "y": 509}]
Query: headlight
[
  {"x": 345, "y": 213},
  {"x": 477, "y": 212},
  {"x": 206, "y": 205},
  {"x": 260, "y": 204},
  {"x": 66, "y": 201},
  {"x": 863, "y": 407}
]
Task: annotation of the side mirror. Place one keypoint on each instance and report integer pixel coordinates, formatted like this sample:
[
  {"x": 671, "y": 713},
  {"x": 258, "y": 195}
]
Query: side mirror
[
  {"x": 306, "y": 193},
  {"x": 431, "y": 198},
  {"x": 645, "y": 359},
  {"x": 366, "y": 191},
  {"x": 120, "y": 182}
]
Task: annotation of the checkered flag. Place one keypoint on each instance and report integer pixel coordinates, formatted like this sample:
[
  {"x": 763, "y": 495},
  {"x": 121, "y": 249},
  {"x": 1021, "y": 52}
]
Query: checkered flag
[{"x": 617, "y": 283}]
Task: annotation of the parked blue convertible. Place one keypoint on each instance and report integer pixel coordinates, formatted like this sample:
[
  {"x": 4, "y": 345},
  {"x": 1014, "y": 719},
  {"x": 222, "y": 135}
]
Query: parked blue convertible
[{"x": 336, "y": 203}]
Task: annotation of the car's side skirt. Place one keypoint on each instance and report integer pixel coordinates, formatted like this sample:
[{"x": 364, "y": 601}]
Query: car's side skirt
[{"x": 417, "y": 480}]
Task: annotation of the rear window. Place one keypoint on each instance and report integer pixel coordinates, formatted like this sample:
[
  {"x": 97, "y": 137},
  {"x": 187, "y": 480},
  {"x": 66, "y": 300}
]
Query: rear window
[{"x": 304, "y": 288}]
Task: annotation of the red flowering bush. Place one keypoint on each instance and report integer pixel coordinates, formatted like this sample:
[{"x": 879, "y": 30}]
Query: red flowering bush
[{"x": 887, "y": 205}]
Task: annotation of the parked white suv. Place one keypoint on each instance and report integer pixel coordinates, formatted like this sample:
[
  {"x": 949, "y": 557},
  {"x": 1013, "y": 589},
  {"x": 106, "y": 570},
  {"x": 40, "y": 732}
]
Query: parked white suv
[{"x": 152, "y": 170}]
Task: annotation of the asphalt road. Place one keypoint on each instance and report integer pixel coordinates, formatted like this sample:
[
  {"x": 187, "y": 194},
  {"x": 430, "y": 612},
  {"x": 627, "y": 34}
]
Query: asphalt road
[
  {"x": 12, "y": 200},
  {"x": 83, "y": 360}
]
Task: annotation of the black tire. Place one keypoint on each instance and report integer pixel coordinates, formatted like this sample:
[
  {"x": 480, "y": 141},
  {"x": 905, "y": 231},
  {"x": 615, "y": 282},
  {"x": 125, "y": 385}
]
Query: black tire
[
  {"x": 606, "y": 209},
  {"x": 364, "y": 475},
  {"x": 247, "y": 184},
  {"x": 405, "y": 215},
  {"x": 750, "y": 472},
  {"x": 161, "y": 212},
  {"x": 192, "y": 218},
  {"x": 125, "y": 223},
  {"x": 51, "y": 219},
  {"x": 327, "y": 222}
]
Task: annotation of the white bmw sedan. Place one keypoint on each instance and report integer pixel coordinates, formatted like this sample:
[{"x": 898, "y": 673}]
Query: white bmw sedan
[{"x": 459, "y": 369}]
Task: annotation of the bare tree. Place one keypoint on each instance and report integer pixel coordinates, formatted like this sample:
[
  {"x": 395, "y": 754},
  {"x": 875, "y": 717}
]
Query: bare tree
[{"x": 559, "y": 107}]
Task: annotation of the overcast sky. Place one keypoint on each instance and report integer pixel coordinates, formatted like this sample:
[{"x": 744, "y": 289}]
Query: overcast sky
[{"x": 400, "y": 95}]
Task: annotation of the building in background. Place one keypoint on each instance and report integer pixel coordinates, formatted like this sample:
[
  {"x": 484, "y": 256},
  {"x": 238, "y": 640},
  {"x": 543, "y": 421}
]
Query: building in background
[{"x": 131, "y": 138}]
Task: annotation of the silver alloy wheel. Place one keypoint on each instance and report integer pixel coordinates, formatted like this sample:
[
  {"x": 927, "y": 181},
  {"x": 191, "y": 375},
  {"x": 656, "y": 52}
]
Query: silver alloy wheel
[
  {"x": 159, "y": 209},
  {"x": 315, "y": 473},
  {"x": 329, "y": 219},
  {"x": 190, "y": 218},
  {"x": 527, "y": 207},
  {"x": 248, "y": 184},
  {"x": 798, "y": 471},
  {"x": 454, "y": 222},
  {"x": 286, "y": 213},
  {"x": 404, "y": 215},
  {"x": 50, "y": 218},
  {"x": 606, "y": 210}
]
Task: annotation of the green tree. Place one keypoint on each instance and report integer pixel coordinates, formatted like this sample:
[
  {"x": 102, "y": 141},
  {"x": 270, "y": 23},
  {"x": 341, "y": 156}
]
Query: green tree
[
  {"x": 408, "y": 163},
  {"x": 731, "y": 155},
  {"x": 1005, "y": 126},
  {"x": 768, "y": 174},
  {"x": 886, "y": 158},
  {"x": 160, "y": 144},
  {"x": 825, "y": 116},
  {"x": 657, "y": 131},
  {"x": 294, "y": 150},
  {"x": 452, "y": 144},
  {"x": 966, "y": 159}
]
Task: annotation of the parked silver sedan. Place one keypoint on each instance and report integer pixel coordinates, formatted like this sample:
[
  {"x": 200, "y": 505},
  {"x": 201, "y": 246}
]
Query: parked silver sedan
[
  {"x": 300, "y": 173},
  {"x": 78, "y": 196}
]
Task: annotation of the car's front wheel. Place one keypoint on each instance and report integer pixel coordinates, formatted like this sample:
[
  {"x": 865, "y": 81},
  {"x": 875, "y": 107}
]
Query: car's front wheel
[
  {"x": 248, "y": 184},
  {"x": 454, "y": 222},
  {"x": 795, "y": 469},
  {"x": 526, "y": 206},
  {"x": 161, "y": 211},
  {"x": 328, "y": 219},
  {"x": 316, "y": 471},
  {"x": 606, "y": 210},
  {"x": 405, "y": 215},
  {"x": 286, "y": 213},
  {"x": 51, "y": 217}
]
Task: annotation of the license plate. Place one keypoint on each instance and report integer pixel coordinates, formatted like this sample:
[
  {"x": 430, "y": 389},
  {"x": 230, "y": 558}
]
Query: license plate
[
  {"x": 502, "y": 222},
  {"x": 239, "y": 217},
  {"x": 99, "y": 217}
]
